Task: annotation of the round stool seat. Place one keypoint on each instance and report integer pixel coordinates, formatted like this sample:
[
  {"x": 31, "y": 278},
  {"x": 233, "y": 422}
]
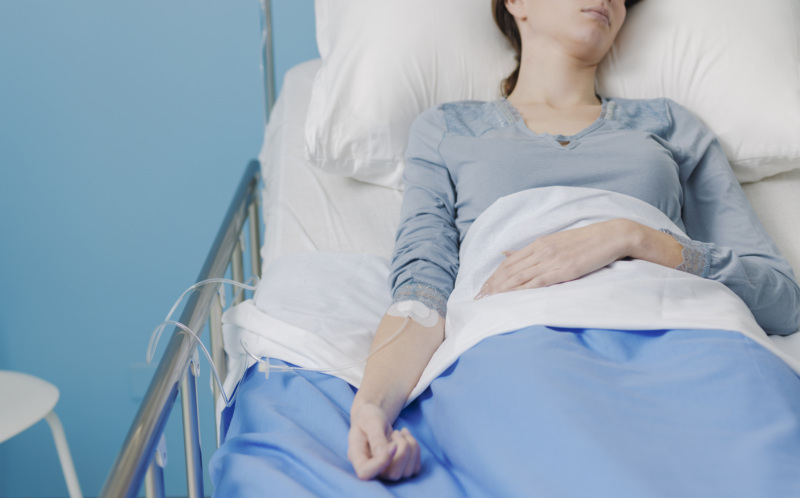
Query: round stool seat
[{"x": 26, "y": 400}]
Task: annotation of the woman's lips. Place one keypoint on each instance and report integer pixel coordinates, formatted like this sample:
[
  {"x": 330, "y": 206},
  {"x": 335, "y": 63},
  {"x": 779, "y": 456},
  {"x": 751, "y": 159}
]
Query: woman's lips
[{"x": 598, "y": 13}]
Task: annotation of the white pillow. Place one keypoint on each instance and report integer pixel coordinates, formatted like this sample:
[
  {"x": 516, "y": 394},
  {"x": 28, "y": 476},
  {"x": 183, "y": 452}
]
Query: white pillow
[
  {"x": 384, "y": 62},
  {"x": 734, "y": 63}
]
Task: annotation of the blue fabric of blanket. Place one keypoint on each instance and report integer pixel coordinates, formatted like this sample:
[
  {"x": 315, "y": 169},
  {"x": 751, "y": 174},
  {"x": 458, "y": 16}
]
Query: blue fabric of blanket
[{"x": 542, "y": 412}]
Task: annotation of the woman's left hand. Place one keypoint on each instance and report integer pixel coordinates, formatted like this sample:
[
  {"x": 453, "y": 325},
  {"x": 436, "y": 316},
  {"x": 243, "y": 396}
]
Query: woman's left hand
[{"x": 563, "y": 256}]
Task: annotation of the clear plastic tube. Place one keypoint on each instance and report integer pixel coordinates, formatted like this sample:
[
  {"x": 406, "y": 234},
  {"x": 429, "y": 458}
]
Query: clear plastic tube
[
  {"x": 155, "y": 336},
  {"x": 214, "y": 372}
]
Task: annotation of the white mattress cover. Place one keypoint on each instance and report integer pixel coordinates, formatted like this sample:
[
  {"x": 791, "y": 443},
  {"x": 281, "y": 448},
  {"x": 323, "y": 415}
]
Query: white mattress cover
[
  {"x": 307, "y": 209},
  {"x": 777, "y": 201}
]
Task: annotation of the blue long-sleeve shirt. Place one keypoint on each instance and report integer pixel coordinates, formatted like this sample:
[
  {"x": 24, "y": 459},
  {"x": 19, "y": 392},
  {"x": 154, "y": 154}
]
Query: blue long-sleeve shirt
[{"x": 463, "y": 156}]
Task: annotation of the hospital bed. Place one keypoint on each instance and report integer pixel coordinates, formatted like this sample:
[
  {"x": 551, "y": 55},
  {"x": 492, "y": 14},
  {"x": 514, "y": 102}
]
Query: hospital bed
[{"x": 329, "y": 227}]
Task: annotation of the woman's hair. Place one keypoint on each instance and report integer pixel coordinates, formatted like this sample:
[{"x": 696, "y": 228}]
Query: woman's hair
[{"x": 508, "y": 26}]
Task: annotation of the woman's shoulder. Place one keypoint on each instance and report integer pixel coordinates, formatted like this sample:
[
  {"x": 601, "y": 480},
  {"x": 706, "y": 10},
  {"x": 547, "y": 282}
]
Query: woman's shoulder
[
  {"x": 651, "y": 115},
  {"x": 660, "y": 116},
  {"x": 465, "y": 117}
]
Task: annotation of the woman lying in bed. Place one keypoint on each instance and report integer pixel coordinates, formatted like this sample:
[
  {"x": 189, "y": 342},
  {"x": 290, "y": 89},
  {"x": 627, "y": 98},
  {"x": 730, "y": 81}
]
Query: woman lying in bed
[{"x": 552, "y": 129}]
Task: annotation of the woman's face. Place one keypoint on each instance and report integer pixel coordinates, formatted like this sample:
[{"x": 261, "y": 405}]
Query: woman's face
[{"x": 584, "y": 28}]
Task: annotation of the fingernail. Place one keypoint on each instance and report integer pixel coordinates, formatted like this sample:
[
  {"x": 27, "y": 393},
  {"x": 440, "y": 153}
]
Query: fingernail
[
  {"x": 482, "y": 294},
  {"x": 507, "y": 253}
]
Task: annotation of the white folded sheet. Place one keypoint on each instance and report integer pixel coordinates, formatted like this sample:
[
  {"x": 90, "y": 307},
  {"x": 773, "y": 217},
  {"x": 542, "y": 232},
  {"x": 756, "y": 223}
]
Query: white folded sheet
[
  {"x": 627, "y": 295},
  {"x": 321, "y": 309}
]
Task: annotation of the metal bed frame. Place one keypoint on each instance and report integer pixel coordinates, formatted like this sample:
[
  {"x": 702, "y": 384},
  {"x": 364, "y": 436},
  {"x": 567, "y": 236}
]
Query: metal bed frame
[{"x": 139, "y": 461}]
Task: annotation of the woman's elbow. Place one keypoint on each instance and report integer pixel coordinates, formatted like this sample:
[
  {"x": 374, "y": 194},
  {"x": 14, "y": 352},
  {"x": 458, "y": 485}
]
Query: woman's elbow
[{"x": 781, "y": 316}]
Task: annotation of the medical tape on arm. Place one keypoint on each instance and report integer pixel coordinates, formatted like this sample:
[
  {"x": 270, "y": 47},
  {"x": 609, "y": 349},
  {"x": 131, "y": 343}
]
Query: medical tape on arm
[{"x": 416, "y": 311}]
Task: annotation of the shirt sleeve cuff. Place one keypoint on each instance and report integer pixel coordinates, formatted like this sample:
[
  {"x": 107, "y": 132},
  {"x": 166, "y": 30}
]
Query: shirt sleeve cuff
[
  {"x": 696, "y": 255},
  {"x": 430, "y": 296}
]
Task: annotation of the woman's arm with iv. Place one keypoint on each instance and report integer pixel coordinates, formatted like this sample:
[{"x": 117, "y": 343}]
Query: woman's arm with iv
[
  {"x": 374, "y": 448},
  {"x": 424, "y": 266}
]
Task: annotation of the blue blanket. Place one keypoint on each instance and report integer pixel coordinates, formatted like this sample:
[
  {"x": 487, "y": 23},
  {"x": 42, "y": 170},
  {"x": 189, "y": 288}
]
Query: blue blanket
[{"x": 542, "y": 411}]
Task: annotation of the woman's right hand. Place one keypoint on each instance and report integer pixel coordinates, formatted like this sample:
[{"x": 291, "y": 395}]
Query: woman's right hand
[{"x": 375, "y": 450}]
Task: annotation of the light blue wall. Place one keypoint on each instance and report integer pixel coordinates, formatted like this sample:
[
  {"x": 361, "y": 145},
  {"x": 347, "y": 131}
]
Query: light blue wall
[{"x": 124, "y": 129}]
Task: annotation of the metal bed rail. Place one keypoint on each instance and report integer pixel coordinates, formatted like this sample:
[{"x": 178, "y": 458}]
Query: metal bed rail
[{"x": 178, "y": 364}]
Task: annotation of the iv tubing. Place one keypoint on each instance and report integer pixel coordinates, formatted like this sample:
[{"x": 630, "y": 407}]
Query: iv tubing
[
  {"x": 156, "y": 335},
  {"x": 264, "y": 364}
]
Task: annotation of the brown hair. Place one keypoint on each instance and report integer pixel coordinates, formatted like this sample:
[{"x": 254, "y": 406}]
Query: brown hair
[{"x": 508, "y": 26}]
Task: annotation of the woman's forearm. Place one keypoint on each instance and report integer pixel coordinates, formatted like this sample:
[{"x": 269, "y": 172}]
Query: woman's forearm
[{"x": 392, "y": 372}]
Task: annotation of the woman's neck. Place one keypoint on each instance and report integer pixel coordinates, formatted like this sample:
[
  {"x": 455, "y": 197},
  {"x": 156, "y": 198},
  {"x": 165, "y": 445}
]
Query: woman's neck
[{"x": 554, "y": 79}]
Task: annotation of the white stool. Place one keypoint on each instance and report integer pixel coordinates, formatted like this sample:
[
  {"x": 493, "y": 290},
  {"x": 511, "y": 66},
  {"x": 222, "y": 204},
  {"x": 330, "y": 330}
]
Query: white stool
[{"x": 25, "y": 400}]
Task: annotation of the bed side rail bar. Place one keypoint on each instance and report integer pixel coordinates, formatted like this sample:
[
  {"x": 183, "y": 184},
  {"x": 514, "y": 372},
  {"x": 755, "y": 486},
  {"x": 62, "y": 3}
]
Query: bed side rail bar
[
  {"x": 267, "y": 58},
  {"x": 128, "y": 471}
]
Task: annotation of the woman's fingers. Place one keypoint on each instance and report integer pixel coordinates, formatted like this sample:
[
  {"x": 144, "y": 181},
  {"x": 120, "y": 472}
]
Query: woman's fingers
[
  {"x": 369, "y": 461},
  {"x": 557, "y": 258},
  {"x": 396, "y": 469},
  {"x": 543, "y": 280},
  {"x": 408, "y": 465},
  {"x": 375, "y": 450},
  {"x": 406, "y": 461},
  {"x": 511, "y": 274},
  {"x": 377, "y": 464},
  {"x": 370, "y": 448},
  {"x": 414, "y": 463},
  {"x": 517, "y": 273}
]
